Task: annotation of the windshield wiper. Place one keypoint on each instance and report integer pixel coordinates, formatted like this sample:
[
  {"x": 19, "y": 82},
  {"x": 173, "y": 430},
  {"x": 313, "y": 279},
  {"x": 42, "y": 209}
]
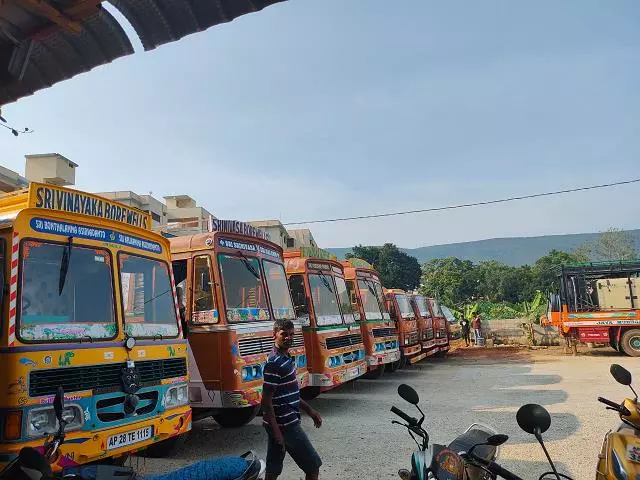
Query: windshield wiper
[
  {"x": 247, "y": 264},
  {"x": 64, "y": 265},
  {"x": 325, "y": 281}
]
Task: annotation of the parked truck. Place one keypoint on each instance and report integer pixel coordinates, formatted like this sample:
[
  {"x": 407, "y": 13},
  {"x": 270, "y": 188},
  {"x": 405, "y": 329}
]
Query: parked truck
[{"x": 598, "y": 303}]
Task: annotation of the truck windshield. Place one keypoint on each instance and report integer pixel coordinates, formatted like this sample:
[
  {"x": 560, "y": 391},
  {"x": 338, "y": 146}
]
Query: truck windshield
[
  {"x": 405, "y": 307},
  {"x": 84, "y": 307},
  {"x": 421, "y": 303},
  {"x": 278, "y": 290},
  {"x": 435, "y": 308},
  {"x": 325, "y": 301},
  {"x": 345, "y": 302},
  {"x": 243, "y": 288},
  {"x": 369, "y": 296},
  {"x": 147, "y": 297}
]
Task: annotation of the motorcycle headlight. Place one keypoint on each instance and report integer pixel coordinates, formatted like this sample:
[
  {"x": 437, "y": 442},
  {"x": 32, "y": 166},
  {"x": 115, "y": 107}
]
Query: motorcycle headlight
[
  {"x": 41, "y": 421},
  {"x": 176, "y": 396}
]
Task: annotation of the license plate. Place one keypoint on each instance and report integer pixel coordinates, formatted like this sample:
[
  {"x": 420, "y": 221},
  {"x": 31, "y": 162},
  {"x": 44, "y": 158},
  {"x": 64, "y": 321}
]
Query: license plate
[
  {"x": 353, "y": 372},
  {"x": 129, "y": 438}
]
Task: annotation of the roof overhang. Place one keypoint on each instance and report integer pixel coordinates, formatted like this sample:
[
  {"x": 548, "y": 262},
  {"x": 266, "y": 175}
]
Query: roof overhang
[{"x": 43, "y": 42}]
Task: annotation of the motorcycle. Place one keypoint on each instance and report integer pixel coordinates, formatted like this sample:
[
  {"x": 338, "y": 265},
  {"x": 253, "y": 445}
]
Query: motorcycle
[
  {"x": 472, "y": 455},
  {"x": 31, "y": 464},
  {"x": 620, "y": 455}
]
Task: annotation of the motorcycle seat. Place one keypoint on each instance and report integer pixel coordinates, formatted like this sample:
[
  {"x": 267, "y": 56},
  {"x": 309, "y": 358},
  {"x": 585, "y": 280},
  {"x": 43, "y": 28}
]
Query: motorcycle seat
[{"x": 464, "y": 442}]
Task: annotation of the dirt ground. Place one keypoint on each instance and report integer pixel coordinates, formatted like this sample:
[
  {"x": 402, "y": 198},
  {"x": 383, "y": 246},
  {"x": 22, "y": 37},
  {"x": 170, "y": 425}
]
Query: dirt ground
[{"x": 483, "y": 385}]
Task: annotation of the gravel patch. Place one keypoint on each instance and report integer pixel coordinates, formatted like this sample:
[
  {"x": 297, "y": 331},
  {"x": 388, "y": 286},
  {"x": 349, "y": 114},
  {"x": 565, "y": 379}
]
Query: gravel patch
[{"x": 357, "y": 439}]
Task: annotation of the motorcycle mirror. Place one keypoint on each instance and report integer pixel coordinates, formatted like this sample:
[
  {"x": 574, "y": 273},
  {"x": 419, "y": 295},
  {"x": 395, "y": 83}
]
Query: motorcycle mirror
[
  {"x": 58, "y": 403},
  {"x": 31, "y": 459},
  {"x": 621, "y": 374},
  {"x": 409, "y": 394},
  {"x": 496, "y": 440},
  {"x": 533, "y": 419}
]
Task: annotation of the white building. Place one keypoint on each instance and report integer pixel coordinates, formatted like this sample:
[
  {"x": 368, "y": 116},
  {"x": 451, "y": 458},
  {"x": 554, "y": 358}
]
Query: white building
[
  {"x": 276, "y": 231},
  {"x": 287, "y": 239},
  {"x": 51, "y": 168},
  {"x": 146, "y": 203},
  {"x": 185, "y": 217},
  {"x": 302, "y": 237}
]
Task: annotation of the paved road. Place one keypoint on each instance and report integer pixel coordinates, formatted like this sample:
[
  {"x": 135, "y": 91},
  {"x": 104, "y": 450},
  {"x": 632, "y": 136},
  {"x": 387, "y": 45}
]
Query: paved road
[{"x": 357, "y": 439}]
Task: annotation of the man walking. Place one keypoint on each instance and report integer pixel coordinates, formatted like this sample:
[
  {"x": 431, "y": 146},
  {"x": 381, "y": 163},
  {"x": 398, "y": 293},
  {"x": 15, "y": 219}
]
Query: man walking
[
  {"x": 281, "y": 404},
  {"x": 465, "y": 329}
]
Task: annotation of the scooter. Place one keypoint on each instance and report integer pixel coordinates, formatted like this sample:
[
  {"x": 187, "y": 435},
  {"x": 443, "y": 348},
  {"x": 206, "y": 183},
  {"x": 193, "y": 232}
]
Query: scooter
[
  {"x": 31, "y": 464},
  {"x": 620, "y": 455},
  {"x": 472, "y": 455}
]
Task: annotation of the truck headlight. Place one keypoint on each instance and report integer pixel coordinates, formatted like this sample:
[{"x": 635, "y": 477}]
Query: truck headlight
[
  {"x": 41, "y": 421},
  {"x": 176, "y": 396}
]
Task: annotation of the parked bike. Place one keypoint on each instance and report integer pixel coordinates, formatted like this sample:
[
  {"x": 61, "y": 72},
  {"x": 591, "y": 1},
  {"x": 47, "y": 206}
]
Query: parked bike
[
  {"x": 620, "y": 456},
  {"x": 32, "y": 464},
  {"x": 472, "y": 455}
]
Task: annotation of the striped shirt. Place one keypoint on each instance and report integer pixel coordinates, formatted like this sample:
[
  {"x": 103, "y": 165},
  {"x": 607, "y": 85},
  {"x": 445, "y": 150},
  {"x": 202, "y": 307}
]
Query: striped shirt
[{"x": 280, "y": 377}]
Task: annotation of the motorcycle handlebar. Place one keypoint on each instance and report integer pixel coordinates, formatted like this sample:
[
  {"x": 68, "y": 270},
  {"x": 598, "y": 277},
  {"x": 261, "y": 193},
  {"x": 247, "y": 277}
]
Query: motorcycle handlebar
[
  {"x": 410, "y": 420},
  {"x": 502, "y": 472},
  {"x": 609, "y": 403},
  {"x": 621, "y": 409},
  {"x": 496, "y": 469}
]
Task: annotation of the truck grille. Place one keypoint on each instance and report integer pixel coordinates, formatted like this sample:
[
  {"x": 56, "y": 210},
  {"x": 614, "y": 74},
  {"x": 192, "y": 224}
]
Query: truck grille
[
  {"x": 258, "y": 345},
  {"x": 413, "y": 338},
  {"x": 384, "y": 332},
  {"x": 92, "y": 377},
  {"x": 429, "y": 334},
  {"x": 344, "y": 341},
  {"x": 112, "y": 409}
]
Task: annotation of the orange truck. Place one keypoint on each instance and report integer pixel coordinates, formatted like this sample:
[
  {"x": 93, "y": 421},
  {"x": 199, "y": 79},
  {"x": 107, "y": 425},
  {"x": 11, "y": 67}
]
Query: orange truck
[
  {"x": 440, "y": 325},
  {"x": 332, "y": 336},
  {"x": 402, "y": 313},
  {"x": 379, "y": 333},
  {"x": 231, "y": 287},
  {"x": 598, "y": 303},
  {"x": 426, "y": 331}
]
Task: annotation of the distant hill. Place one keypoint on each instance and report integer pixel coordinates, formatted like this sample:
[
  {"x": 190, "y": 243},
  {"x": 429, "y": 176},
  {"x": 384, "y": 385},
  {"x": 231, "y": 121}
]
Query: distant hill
[{"x": 512, "y": 251}]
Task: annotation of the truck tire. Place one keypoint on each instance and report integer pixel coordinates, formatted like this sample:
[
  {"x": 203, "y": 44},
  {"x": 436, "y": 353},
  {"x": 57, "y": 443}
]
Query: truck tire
[
  {"x": 161, "y": 449},
  {"x": 236, "y": 417},
  {"x": 374, "y": 374},
  {"x": 309, "y": 393},
  {"x": 630, "y": 342},
  {"x": 392, "y": 367}
]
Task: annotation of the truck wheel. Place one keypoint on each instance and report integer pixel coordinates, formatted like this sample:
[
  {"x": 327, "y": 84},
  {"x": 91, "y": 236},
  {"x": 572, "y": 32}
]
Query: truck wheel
[
  {"x": 236, "y": 417},
  {"x": 161, "y": 449},
  {"x": 392, "y": 367},
  {"x": 374, "y": 374},
  {"x": 309, "y": 393},
  {"x": 630, "y": 342},
  {"x": 403, "y": 362}
]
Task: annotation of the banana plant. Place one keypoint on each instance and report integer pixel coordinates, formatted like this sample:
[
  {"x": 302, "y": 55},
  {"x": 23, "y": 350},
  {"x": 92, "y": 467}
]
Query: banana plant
[{"x": 530, "y": 309}]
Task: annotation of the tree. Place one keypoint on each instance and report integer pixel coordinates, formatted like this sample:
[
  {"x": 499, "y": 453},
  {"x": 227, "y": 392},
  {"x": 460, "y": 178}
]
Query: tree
[
  {"x": 451, "y": 280},
  {"x": 546, "y": 269},
  {"x": 396, "y": 268},
  {"x": 489, "y": 278},
  {"x": 612, "y": 245}
]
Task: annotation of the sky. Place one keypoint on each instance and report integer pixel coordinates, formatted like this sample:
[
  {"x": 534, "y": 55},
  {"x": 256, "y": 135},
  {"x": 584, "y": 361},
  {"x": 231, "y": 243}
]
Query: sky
[{"x": 321, "y": 109}]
